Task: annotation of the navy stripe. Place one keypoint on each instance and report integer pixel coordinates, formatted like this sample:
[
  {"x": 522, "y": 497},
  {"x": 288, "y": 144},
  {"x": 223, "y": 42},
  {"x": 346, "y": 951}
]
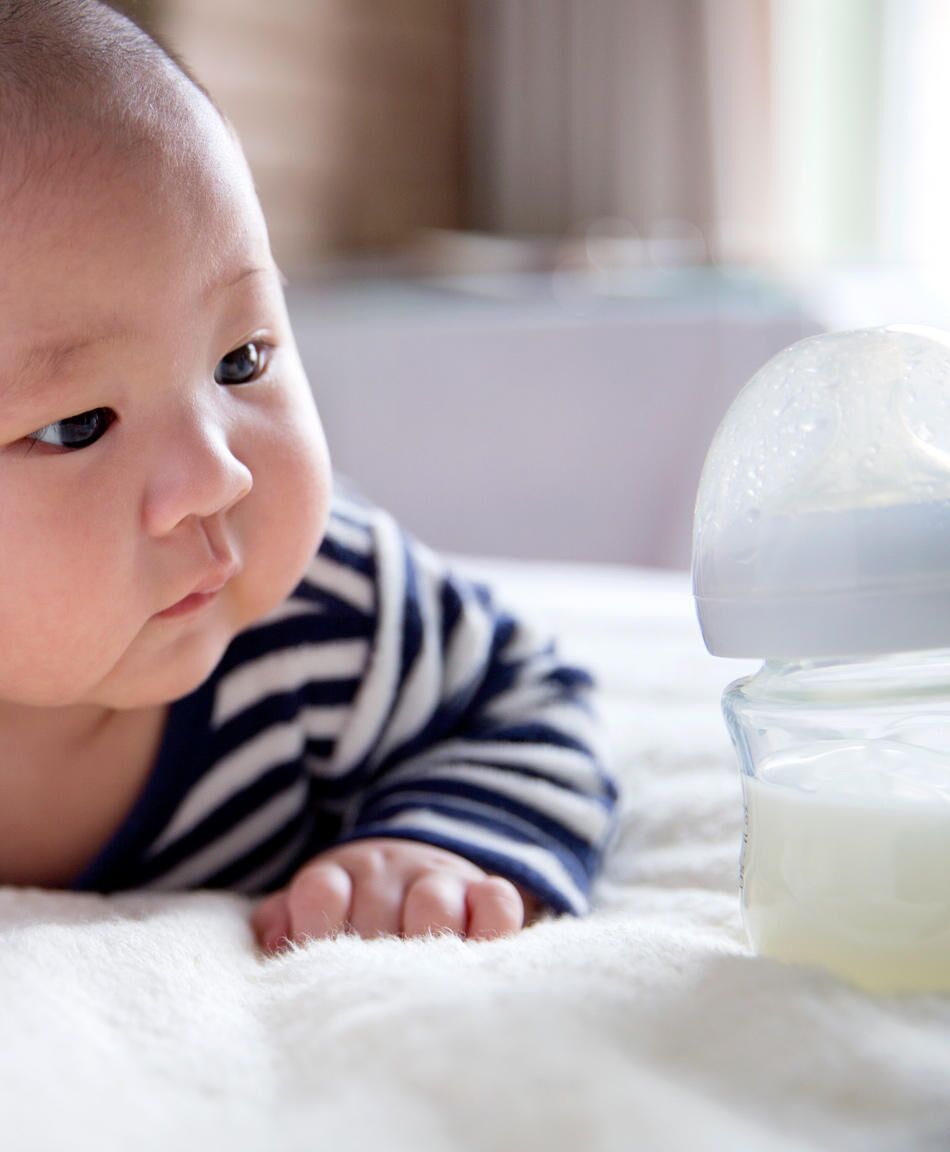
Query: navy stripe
[
  {"x": 340, "y": 785},
  {"x": 411, "y": 620},
  {"x": 470, "y": 756},
  {"x": 529, "y": 732},
  {"x": 308, "y": 593},
  {"x": 570, "y": 679},
  {"x": 451, "y": 604},
  {"x": 293, "y": 632},
  {"x": 362, "y": 562}
]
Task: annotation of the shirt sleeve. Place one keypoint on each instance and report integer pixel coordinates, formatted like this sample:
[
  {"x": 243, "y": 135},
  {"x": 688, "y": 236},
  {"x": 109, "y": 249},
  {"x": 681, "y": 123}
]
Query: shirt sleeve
[{"x": 468, "y": 733}]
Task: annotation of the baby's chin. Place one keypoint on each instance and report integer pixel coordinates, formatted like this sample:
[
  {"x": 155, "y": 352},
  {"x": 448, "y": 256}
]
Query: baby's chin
[
  {"x": 179, "y": 655},
  {"x": 168, "y": 660},
  {"x": 186, "y": 665}
]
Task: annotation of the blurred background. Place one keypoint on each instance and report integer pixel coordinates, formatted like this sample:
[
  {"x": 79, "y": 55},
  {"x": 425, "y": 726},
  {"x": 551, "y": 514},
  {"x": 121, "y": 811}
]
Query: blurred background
[{"x": 535, "y": 247}]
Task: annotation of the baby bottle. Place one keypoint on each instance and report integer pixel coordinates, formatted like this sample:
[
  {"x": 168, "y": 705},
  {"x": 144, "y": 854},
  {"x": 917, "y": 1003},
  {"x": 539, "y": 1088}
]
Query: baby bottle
[{"x": 822, "y": 546}]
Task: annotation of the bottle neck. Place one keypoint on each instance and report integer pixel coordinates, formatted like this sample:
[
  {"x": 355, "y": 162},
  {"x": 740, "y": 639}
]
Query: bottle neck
[{"x": 886, "y": 674}]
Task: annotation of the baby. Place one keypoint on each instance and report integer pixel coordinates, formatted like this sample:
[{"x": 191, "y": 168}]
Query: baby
[{"x": 215, "y": 673}]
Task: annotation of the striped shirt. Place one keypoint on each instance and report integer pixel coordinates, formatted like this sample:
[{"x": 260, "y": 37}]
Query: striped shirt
[{"x": 386, "y": 696}]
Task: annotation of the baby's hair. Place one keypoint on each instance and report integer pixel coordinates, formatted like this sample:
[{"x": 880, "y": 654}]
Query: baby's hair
[{"x": 76, "y": 71}]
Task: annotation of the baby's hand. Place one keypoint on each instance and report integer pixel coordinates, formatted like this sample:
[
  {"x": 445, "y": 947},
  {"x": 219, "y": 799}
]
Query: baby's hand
[{"x": 390, "y": 887}]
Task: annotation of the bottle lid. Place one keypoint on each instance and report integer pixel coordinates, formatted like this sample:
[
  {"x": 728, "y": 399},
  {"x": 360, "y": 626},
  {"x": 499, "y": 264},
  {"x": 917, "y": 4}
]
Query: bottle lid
[{"x": 822, "y": 523}]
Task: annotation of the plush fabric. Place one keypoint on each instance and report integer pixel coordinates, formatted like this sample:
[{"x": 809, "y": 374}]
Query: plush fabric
[{"x": 150, "y": 1022}]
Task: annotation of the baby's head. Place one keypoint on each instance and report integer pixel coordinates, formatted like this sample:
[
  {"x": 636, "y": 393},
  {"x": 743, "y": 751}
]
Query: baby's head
[{"x": 158, "y": 436}]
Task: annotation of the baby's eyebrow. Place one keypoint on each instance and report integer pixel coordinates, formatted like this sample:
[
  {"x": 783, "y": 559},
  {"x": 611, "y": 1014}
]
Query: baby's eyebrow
[
  {"x": 232, "y": 281},
  {"x": 43, "y": 360}
]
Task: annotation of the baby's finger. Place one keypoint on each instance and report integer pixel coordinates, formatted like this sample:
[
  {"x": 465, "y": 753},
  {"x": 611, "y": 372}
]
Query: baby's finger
[
  {"x": 318, "y": 901},
  {"x": 270, "y": 921},
  {"x": 435, "y": 903},
  {"x": 376, "y": 908},
  {"x": 495, "y": 908}
]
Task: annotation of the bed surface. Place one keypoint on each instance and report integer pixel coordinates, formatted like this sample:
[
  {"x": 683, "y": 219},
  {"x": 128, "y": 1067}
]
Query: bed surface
[{"x": 150, "y": 1022}]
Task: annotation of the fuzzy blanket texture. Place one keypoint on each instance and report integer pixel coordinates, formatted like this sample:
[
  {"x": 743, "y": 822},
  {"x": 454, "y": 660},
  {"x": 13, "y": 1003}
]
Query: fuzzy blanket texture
[{"x": 150, "y": 1022}]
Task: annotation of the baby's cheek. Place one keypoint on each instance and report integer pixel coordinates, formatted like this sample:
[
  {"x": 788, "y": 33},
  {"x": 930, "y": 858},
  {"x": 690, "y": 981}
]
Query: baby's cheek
[
  {"x": 65, "y": 606},
  {"x": 286, "y": 512},
  {"x": 55, "y": 644}
]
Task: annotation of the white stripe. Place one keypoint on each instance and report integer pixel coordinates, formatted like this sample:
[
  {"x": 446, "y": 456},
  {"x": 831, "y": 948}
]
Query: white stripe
[
  {"x": 560, "y": 764},
  {"x": 563, "y": 716},
  {"x": 577, "y": 722},
  {"x": 578, "y": 815},
  {"x": 420, "y": 691},
  {"x": 530, "y": 665},
  {"x": 524, "y": 703},
  {"x": 354, "y": 537},
  {"x": 381, "y": 679},
  {"x": 293, "y": 606},
  {"x": 286, "y": 671},
  {"x": 346, "y": 583},
  {"x": 323, "y": 721},
  {"x": 240, "y": 840},
  {"x": 468, "y": 647},
  {"x": 363, "y": 514},
  {"x": 274, "y": 745},
  {"x": 539, "y": 860}
]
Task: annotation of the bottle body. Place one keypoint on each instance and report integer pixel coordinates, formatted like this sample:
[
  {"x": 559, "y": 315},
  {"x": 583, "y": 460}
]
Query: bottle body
[{"x": 846, "y": 784}]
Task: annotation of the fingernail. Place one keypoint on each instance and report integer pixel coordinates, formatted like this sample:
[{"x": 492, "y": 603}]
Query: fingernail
[{"x": 274, "y": 939}]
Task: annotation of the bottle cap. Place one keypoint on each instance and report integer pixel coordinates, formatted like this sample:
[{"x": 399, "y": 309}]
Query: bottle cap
[{"x": 822, "y": 523}]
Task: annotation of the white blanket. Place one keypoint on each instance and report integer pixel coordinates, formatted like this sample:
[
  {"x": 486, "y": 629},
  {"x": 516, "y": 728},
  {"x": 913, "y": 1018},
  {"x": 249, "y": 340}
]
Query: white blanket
[{"x": 142, "y": 1023}]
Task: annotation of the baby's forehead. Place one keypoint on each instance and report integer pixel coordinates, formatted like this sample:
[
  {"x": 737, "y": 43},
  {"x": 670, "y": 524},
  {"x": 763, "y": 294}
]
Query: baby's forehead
[
  {"x": 76, "y": 80},
  {"x": 196, "y": 211},
  {"x": 105, "y": 152}
]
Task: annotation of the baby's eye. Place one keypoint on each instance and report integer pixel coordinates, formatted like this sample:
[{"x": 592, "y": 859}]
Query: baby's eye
[
  {"x": 242, "y": 365},
  {"x": 75, "y": 431}
]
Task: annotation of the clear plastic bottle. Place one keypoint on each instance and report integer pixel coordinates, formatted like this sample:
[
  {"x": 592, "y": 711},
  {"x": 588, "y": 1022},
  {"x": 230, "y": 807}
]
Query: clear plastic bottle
[
  {"x": 846, "y": 782},
  {"x": 822, "y": 546}
]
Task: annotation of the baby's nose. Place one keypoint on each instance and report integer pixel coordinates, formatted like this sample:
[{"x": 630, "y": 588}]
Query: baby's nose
[{"x": 199, "y": 475}]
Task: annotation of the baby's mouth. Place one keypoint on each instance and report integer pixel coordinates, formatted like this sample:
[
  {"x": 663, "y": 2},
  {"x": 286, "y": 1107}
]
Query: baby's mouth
[
  {"x": 190, "y": 604},
  {"x": 204, "y": 593}
]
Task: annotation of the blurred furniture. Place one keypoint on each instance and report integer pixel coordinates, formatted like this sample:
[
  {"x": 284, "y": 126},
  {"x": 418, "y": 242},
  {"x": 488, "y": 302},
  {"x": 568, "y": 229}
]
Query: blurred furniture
[
  {"x": 656, "y": 115},
  {"x": 365, "y": 121}
]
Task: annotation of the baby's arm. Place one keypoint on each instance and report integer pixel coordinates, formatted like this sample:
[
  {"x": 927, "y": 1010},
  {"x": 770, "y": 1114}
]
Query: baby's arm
[{"x": 473, "y": 790}]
